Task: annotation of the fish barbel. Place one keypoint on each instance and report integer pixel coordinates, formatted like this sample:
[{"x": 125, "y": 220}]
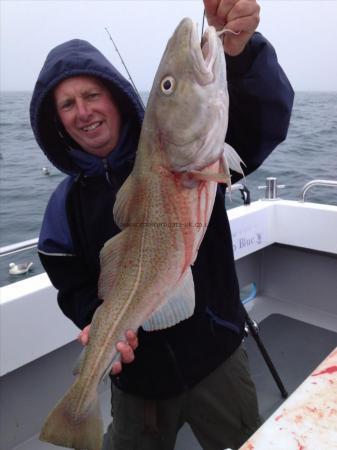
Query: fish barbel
[{"x": 163, "y": 209}]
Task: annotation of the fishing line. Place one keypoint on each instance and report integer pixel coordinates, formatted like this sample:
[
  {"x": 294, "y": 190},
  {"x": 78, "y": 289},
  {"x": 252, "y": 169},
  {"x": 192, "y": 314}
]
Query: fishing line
[
  {"x": 203, "y": 24},
  {"x": 219, "y": 33},
  {"x": 129, "y": 75}
]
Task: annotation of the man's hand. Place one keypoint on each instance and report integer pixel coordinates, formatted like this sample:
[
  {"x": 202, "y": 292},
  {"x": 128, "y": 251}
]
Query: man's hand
[
  {"x": 241, "y": 16},
  {"x": 126, "y": 349}
]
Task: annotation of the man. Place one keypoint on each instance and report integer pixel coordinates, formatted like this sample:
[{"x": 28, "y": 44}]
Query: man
[{"x": 87, "y": 119}]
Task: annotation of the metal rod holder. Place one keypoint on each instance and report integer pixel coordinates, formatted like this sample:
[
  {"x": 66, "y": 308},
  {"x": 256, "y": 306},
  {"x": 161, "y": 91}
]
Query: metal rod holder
[{"x": 271, "y": 188}]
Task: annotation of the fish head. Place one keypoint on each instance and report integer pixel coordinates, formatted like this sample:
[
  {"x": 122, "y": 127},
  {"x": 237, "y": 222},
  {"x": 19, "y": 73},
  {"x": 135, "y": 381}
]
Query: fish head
[{"x": 188, "y": 102}]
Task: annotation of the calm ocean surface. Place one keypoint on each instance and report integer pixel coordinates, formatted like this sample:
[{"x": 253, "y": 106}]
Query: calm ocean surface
[{"x": 309, "y": 152}]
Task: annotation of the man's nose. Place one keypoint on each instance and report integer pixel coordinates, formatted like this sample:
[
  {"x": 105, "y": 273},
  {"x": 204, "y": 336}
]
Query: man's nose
[{"x": 83, "y": 110}]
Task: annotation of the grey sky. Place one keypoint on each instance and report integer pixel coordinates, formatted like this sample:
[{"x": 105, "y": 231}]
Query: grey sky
[{"x": 304, "y": 34}]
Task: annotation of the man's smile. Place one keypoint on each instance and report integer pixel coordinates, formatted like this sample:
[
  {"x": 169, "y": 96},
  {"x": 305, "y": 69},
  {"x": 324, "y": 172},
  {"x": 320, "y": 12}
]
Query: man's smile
[{"x": 91, "y": 127}]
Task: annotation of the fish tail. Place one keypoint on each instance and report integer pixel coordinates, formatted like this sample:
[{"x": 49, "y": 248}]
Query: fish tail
[{"x": 77, "y": 431}]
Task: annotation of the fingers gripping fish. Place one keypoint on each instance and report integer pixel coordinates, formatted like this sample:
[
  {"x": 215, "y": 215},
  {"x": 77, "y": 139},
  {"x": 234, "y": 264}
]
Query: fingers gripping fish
[{"x": 146, "y": 277}]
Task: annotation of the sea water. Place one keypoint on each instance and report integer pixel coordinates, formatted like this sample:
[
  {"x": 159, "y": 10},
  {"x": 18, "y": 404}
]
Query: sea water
[{"x": 309, "y": 152}]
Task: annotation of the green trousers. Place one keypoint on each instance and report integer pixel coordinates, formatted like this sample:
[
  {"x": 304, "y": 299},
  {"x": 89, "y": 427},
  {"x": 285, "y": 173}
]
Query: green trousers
[{"x": 221, "y": 410}]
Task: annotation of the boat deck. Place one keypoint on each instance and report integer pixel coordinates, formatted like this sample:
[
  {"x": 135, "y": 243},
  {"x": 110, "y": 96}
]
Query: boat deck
[
  {"x": 296, "y": 349},
  {"x": 294, "y": 273}
]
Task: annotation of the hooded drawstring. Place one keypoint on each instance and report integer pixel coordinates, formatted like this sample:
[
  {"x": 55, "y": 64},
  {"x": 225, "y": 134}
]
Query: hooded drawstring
[{"x": 92, "y": 165}]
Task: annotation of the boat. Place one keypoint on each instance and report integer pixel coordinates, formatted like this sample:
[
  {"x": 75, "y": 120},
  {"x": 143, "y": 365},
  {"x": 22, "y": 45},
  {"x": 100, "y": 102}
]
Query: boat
[{"x": 286, "y": 259}]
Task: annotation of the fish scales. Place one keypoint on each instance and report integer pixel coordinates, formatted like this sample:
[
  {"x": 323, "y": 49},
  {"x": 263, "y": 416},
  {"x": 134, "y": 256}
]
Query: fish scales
[{"x": 163, "y": 210}]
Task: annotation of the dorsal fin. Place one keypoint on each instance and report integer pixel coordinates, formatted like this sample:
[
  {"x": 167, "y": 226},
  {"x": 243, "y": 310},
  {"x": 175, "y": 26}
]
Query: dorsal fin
[
  {"x": 122, "y": 209},
  {"x": 110, "y": 257}
]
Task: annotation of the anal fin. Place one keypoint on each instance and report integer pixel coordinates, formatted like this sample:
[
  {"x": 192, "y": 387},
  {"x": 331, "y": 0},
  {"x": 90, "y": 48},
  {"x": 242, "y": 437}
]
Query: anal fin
[{"x": 178, "y": 306}]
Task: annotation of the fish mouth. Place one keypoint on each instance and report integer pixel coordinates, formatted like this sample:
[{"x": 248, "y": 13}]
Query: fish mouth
[{"x": 204, "y": 54}]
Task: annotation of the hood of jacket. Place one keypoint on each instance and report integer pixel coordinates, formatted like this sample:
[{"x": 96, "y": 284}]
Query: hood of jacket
[{"x": 74, "y": 58}]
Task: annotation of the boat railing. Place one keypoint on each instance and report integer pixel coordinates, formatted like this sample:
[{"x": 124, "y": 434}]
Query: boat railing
[
  {"x": 18, "y": 247},
  {"x": 271, "y": 193},
  {"x": 310, "y": 184}
]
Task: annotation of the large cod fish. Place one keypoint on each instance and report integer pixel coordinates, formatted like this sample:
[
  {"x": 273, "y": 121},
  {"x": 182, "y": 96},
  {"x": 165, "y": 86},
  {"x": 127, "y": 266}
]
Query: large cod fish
[{"x": 163, "y": 209}]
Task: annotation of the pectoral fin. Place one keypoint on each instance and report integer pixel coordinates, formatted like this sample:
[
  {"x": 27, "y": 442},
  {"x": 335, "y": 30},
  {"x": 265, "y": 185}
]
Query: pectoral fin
[
  {"x": 179, "y": 306},
  {"x": 232, "y": 160},
  {"x": 220, "y": 177},
  {"x": 229, "y": 160}
]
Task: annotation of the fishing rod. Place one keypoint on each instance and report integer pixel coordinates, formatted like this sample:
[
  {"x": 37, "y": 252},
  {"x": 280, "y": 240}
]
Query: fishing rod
[
  {"x": 129, "y": 75},
  {"x": 124, "y": 65}
]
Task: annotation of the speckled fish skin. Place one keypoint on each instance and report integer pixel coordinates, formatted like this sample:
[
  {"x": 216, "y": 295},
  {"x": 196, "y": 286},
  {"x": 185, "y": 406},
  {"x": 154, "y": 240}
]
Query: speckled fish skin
[{"x": 163, "y": 209}]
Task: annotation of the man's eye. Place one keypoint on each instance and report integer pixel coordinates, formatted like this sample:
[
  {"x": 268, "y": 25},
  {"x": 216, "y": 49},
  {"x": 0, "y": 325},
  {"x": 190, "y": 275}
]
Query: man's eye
[
  {"x": 66, "y": 106},
  {"x": 93, "y": 95}
]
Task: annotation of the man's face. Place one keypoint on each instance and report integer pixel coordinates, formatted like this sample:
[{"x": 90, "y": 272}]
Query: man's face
[{"x": 88, "y": 114}]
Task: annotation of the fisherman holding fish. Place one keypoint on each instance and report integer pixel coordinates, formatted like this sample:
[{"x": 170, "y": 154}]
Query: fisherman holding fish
[{"x": 158, "y": 305}]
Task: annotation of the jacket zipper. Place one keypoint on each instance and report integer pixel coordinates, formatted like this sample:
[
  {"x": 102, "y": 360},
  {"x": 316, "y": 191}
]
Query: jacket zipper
[{"x": 106, "y": 170}]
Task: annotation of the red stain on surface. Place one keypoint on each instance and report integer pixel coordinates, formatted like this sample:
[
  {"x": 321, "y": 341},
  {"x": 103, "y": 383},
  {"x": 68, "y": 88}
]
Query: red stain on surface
[
  {"x": 314, "y": 410},
  {"x": 333, "y": 412},
  {"x": 328, "y": 370},
  {"x": 298, "y": 418},
  {"x": 311, "y": 409},
  {"x": 278, "y": 417},
  {"x": 299, "y": 445}
]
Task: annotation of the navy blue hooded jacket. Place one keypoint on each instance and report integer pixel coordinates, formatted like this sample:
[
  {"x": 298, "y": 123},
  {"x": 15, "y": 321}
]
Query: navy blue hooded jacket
[{"x": 78, "y": 218}]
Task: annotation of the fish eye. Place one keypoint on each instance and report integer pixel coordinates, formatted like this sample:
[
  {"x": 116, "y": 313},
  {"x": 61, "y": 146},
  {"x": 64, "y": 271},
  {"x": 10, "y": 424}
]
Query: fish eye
[{"x": 168, "y": 85}]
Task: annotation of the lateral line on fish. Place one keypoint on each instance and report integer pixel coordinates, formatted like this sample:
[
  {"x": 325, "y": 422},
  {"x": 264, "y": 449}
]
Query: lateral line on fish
[
  {"x": 112, "y": 330},
  {"x": 181, "y": 218}
]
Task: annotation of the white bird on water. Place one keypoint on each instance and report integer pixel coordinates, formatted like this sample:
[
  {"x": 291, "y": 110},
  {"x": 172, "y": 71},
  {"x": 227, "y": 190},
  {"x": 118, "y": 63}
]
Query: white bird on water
[
  {"x": 45, "y": 171},
  {"x": 19, "y": 269}
]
